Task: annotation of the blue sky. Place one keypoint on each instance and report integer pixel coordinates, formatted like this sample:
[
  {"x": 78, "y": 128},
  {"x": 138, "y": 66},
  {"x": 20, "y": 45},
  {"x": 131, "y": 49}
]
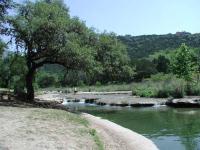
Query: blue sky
[{"x": 138, "y": 17}]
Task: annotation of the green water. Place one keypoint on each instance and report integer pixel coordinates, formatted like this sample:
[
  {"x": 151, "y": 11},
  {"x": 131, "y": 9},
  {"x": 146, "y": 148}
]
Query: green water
[{"x": 168, "y": 128}]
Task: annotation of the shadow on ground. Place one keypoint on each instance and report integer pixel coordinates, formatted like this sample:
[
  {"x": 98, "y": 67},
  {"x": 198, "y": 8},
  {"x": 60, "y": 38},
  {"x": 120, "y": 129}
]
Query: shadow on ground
[{"x": 36, "y": 104}]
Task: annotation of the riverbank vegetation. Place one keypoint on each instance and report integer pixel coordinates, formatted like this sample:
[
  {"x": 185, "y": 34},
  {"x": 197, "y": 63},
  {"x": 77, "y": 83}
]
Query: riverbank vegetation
[{"x": 58, "y": 51}]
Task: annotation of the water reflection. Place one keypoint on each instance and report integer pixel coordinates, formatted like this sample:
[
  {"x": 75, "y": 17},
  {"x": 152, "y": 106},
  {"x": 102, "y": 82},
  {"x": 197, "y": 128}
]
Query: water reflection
[{"x": 175, "y": 129}]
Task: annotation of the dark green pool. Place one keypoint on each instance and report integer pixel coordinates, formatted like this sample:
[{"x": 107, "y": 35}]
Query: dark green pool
[{"x": 168, "y": 128}]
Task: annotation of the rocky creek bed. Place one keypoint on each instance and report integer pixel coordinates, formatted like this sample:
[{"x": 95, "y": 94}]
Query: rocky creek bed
[{"x": 121, "y": 98}]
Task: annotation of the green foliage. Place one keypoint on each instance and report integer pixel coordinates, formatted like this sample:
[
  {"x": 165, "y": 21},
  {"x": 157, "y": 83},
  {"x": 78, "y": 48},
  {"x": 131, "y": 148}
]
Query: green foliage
[
  {"x": 18, "y": 85},
  {"x": 96, "y": 138},
  {"x": 168, "y": 54},
  {"x": 193, "y": 89},
  {"x": 162, "y": 64},
  {"x": 2, "y": 48},
  {"x": 195, "y": 53},
  {"x": 144, "y": 69},
  {"x": 144, "y": 91},
  {"x": 18, "y": 71},
  {"x": 74, "y": 78},
  {"x": 161, "y": 77},
  {"x": 12, "y": 72},
  {"x": 111, "y": 65},
  {"x": 48, "y": 35},
  {"x": 112, "y": 59},
  {"x": 162, "y": 87},
  {"x": 145, "y": 45},
  {"x": 182, "y": 64},
  {"x": 4, "y": 6},
  {"x": 4, "y": 74},
  {"x": 98, "y": 83},
  {"x": 45, "y": 80}
]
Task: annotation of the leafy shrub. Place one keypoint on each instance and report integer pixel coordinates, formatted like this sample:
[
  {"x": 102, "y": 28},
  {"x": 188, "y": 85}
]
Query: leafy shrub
[
  {"x": 163, "y": 87},
  {"x": 98, "y": 83},
  {"x": 178, "y": 92},
  {"x": 144, "y": 91},
  {"x": 161, "y": 77},
  {"x": 193, "y": 89},
  {"x": 19, "y": 87},
  {"x": 80, "y": 83},
  {"x": 18, "y": 84},
  {"x": 163, "y": 93},
  {"x": 176, "y": 87},
  {"x": 46, "y": 80}
]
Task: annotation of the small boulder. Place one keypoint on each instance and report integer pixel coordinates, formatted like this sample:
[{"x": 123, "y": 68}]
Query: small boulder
[{"x": 188, "y": 102}]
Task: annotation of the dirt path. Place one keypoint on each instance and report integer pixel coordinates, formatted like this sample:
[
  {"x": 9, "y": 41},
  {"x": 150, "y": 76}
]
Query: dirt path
[
  {"x": 116, "y": 137},
  {"x": 42, "y": 129}
]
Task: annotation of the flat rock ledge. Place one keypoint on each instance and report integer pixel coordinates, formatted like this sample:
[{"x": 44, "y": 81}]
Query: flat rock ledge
[
  {"x": 187, "y": 102},
  {"x": 123, "y": 99},
  {"x": 120, "y": 98},
  {"x": 125, "y": 138}
]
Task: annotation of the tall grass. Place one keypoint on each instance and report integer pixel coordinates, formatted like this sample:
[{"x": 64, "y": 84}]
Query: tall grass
[
  {"x": 161, "y": 86},
  {"x": 158, "y": 86},
  {"x": 193, "y": 89}
]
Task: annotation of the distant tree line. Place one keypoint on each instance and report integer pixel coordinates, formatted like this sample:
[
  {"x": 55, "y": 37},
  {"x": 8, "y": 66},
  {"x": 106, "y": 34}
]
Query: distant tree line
[{"x": 144, "y": 45}]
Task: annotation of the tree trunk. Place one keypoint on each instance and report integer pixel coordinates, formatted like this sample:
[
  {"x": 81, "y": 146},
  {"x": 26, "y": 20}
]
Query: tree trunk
[{"x": 29, "y": 85}]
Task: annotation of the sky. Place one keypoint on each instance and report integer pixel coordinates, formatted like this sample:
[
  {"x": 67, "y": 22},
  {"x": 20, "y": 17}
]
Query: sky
[{"x": 138, "y": 17}]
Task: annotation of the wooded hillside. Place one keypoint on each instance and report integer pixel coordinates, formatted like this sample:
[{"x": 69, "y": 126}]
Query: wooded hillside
[{"x": 144, "y": 45}]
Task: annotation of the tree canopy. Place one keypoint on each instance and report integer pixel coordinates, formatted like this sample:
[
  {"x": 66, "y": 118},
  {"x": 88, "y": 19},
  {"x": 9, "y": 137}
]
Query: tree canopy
[
  {"x": 2, "y": 48},
  {"x": 48, "y": 35},
  {"x": 162, "y": 64},
  {"x": 113, "y": 59},
  {"x": 182, "y": 64},
  {"x": 4, "y": 6},
  {"x": 45, "y": 33}
]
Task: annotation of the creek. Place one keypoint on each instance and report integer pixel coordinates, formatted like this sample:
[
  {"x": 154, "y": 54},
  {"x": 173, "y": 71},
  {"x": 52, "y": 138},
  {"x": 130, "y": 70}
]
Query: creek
[{"x": 169, "y": 128}]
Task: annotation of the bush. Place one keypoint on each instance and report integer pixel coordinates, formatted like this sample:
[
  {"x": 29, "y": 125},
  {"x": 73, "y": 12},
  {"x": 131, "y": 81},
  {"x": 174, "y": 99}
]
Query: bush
[
  {"x": 80, "y": 83},
  {"x": 161, "y": 77},
  {"x": 98, "y": 83},
  {"x": 19, "y": 86},
  {"x": 164, "y": 87},
  {"x": 178, "y": 92},
  {"x": 163, "y": 93},
  {"x": 193, "y": 89},
  {"x": 46, "y": 80},
  {"x": 144, "y": 91},
  {"x": 176, "y": 87}
]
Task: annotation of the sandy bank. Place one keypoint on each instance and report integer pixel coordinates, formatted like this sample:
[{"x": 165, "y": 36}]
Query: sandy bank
[
  {"x": 116, "y": 137},
  {"x": 43, "y": 129}
]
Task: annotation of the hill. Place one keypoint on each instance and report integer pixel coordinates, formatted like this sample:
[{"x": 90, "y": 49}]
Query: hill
[{"x": 144, "y": 45}]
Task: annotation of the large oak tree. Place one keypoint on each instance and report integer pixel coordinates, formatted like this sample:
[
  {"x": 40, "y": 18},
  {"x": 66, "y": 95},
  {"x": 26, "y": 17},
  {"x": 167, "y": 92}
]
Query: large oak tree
[{"x": 46, "y": 34}]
